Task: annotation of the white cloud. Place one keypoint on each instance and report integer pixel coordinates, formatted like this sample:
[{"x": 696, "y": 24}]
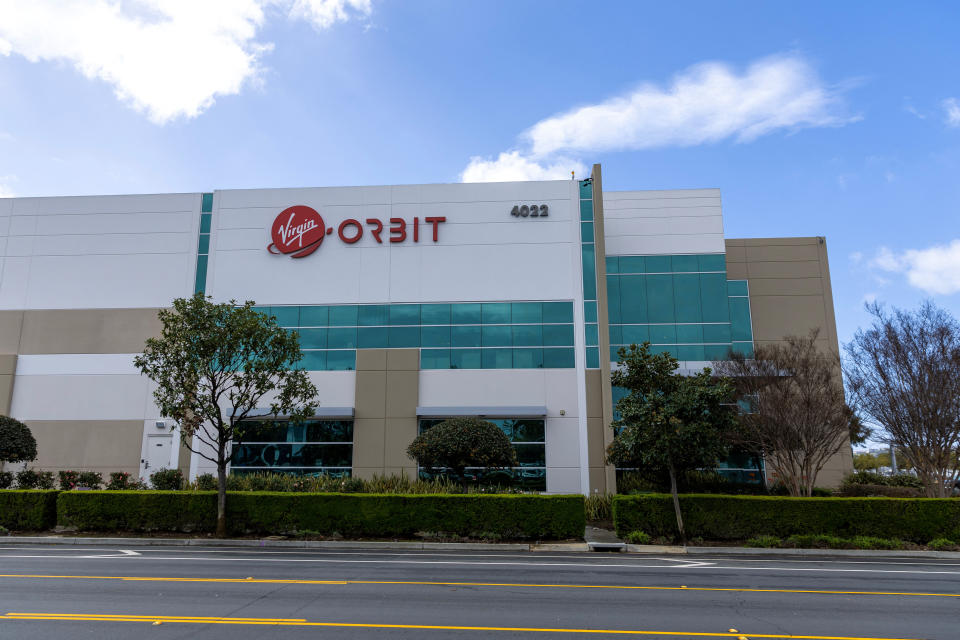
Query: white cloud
[
  {"x": 934, "y": 270},
  {"x": 513, "y": 166},
  {"x": 166, "y": 58},
  {"x": 952, "y": 107},
  {"x": 704, "y": 104}
]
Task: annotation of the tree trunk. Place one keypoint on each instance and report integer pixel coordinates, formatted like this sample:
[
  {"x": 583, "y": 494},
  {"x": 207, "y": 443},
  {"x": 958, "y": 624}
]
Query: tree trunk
[
  {"x": 222, "y": 499},
  {"x": 676, "y": 505}
]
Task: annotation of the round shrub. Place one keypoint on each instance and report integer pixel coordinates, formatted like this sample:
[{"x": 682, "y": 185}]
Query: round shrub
[
  {"x": 205, "y": 482},
  {"x": 6, "y": 479},
  {"x": 16, "y": 442},
  {"x": 458, "y": 443},
  {"x": 167, "y": 479}
]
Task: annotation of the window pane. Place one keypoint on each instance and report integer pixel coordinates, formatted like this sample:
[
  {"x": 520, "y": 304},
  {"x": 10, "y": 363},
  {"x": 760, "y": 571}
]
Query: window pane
[
  {"x": 497, "y": 358},
  {"x": 465, "y": 313},
  {"x": 404, "y": 314},
  {"x": 558, "y": 335},
  {"x": 343, "y": 316},
  {"x": 613, "y": 298},
  {"x": 314, "y": 316},
  {"x": 635, "y": 334},
  {"x": 329, "y": 431},
  {"x": 740, "y": 319},
  {"x": 663, "y": 334},
  {"x": 557, "y": 312},
  {"x": 496, "y": 313},
  {"x": 632, "y": 264},
  {"x": 716, "y": 351},
  {"x": 526, "y": 312},
  {"x": 286, "y": 316},
  {"x": 716, "y": 333},
  {"x": 529, "y": 335},
  {"x": 615, "y": 352},
  {"x": 692, "y": 333},
  {"x": 204, "y": 245},
  {"x": 530, "y": 455},
  {"x": 746, "y": 348},
  {"x": 341, "y": 360},
  {"x": 586, "y": 210},
  {"x": 616, "y": 334},
  {"x": 586, "y": 232},
  {"x": 713, "y": 262},
  {"x": 527, "y": 358},
  {"x": 613, "y": 264},
  {"x": 465, "y": 359},
  {"x": 559, "y": 359},
  {"x": 372, "y": 315},
  {"x": 737, "y": 288},
  {"x": 200, "y": 280},
  {"x": 686, "y": 297},
  {"x": 529, "y": 430},
  {"x": 660, "y": 298},
  {"x": 633, "y": 298},
  {"x": 672, "y": 351},
  {"x": 403, "y": 337},
  {"x": 435, "y": 313},
  {"x": 713, "y": 297},
  {"x": 436, "y": 336},
  {"x": 372, "y": 338},
  {"x": 590, "y": 311},
  {"x": 684, "y": 264},
  {"x": 342, "y": 338},
  {"x": 658, "y": 264},
  {"x": 690, "y": 352},
  {"x": 314, "y": 360},
  {"x": 592, "y": 335},
  {"x": 206, "y": 221},
  {"x": 589, "y": 273},
  {"x": 586, "y": 189},
  {"x": 313, "y": 338},
  {"x": 434, "y": 358},
  {"x": 206, "y": 202},
  {"x": 465, "y": 336},
  {"x": 593, "y": 358},
  {"x": 496, "y": 336}
]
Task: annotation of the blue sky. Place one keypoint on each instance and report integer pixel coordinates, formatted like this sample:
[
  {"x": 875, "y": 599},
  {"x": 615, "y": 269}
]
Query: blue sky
[{"x": 812, "y": 118}]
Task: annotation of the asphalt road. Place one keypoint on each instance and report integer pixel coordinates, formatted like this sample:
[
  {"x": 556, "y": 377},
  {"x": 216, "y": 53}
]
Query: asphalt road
[{"x": 239, "y": 593}]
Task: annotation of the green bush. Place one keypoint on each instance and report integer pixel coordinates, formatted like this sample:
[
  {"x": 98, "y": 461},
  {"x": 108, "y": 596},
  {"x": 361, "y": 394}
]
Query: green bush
[
  {"x": 167, "y": 480},
  {"x": 75, "y": 479},
  {"x": 854, "y": 490},
  {"x": 763, "y": 542},
  {"x": 6, "y": 479},
  {"x": 458, "y": 443},
  {"x": 28, "y": 510},
  {"x": 598, "y": 507},
  {"x": 941, "y": 544},
  {"x": 30, "y": 479},
  {"x": 351, "y": 515},
  {"x": 871, "y": 478},
  {"x": 715, "y": 517},
  {"x": 120, "y": 480},
  {"x": 637, "y": 537},
  {"x": 205, "y": 482}
]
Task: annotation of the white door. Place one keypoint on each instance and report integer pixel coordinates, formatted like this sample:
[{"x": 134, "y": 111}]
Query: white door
[{"x": 158, "y": 454}]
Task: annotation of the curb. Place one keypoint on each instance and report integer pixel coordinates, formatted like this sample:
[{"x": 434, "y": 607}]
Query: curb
[{"x": 750, "y": 551}]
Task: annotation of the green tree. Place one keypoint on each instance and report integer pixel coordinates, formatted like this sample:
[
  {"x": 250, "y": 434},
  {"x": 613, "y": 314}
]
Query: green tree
[
  {"x": 458, "y": 443},
  {"x": 214, "y": 364},
  {"x": 669, "y": 423},
  {"x": 17, "y": 444}
]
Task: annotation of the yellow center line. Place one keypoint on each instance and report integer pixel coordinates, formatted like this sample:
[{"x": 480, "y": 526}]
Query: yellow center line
[
  {"x": 484, "y": 584},
  {"x": 284, "y": 622}
]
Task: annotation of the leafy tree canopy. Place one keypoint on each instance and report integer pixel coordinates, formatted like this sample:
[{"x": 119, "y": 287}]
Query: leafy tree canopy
[
  {"x": 17, "y": 444},
  {"x": 459, "y": 443}
]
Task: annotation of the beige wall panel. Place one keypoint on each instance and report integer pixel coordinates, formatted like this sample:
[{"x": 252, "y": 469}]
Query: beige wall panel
[
  {"x": 402, "y": 393},
  {"x": 783, "y": 253},
  {"x": 403, "y": 359},
  {"x": 371, "y": 359},
  {"x": 368, "y": 441},
  {"x": 778, "y": 316},
  {"x": 88, "y": 445},
  {"x": 400, "y": 432},
  {"x": 6, "y": 393},
  {"x": 366, "y": 473},
  {"x": 763, "y": 242},
  {"x": 371, "y": 394},
  {"x": 88, "y": 330},
  {"x": 8, "y": 364},
  {"x": 786, "y": 287},
  {"x": 736, "y": 271},
  {"x": 10, "y": 324},
  {"x": 594, "y": 394},
  {"x": 804, "y": 269},
  {"x": 736, "y": 253},
  {"x": 598, "y": 481},
  {"x": 595, "y": 442}
]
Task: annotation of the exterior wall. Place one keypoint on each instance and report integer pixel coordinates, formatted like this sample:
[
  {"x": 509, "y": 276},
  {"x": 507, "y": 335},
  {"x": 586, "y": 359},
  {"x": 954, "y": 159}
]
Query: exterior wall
[
  {"x": 790, "y": 294},
  {"x": 663, "y": 222}
]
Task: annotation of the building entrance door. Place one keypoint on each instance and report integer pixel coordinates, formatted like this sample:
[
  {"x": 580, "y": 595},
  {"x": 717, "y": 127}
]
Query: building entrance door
[{"x": 158, "y": 454}]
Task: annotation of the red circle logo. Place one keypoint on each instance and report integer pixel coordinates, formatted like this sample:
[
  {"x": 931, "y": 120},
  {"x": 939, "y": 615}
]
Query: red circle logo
[{"x": 297, "y": 231}]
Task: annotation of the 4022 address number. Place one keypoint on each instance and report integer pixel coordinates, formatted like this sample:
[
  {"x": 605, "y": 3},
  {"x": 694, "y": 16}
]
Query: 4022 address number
[{"x": 530, "y": 210}]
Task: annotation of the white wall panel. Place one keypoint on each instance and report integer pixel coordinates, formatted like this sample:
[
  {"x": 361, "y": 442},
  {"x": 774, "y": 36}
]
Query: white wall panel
[
  {"x": 76, "y": 364},
  {"x": 653, "y": 245},
  {"x": 175, "y": 221},
  {"x": 81, "y": 397},
  {"x": 663, "y": 222}
]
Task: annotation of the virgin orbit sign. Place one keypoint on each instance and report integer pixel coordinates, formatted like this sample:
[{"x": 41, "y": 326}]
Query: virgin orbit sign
[{"x": 299, "y": 230}]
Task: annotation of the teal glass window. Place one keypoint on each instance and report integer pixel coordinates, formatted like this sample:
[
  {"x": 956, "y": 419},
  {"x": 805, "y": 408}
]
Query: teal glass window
[
  {"x": 615, "y": 352},
  {"x": 632, "y": 264},
  {"x": 737, "y": 288},
  {"x": 613, "y": 299},
  {"x": 558, "y": 335},
  {"x": 716, "y": 351},
  {"x": 314, "y": 361},
  {"x": 465, "y": 336},
  {"x": 435, "y": 336},
  {"x": 590, "y": 311},
  {"x": 206, "y": 203},
  {"x": 713, "y": 297},
  {"x": 496, "y": 313},
  {"x": 204, "y": 245},
  {"x": 616, "y": 334},
  {"x": 404, "y": 314},
  {"x": 313, "y": 338},
  {"x": 586, "y": 232},
  {"x": 526, "y": 312},
  {"x": 716, "y": 332},
  {"x": 586, "y": 189},
  {"x": 402, "y": 337},
  {"x": 496, "y": 336},
  {"x": 371, "y": 315},
  {"x": 200, "y": 281},
  {"x": 713, "y": 262},
  {"x": 343, "y": 316},
  {"x": 746, "y": 348},
  {"x": 586, "y": 210},
  {"x": 497, "y": 358},
  {"x": 341, "y": 360},
  {"x": 465, "y": 313},
  {"x": 372, "y": 338},
  {"x": 314, "y": 316},
  {"x": 592, "y": 335},
  {"x": 589, "y": 273},
  {"x": 686, "y": 297},
  {"x": 740, "y": 319},
  {"x": 286, "y": 316},
  {"x": 672, "y": 351},
  {"x": 527, "y": 335},
  {"x": 593, "y": 358},
  {"x": 684, "y": 264},
  {"x": 689, "y": 333},
  {"x": 466, "y": 359},
  {"x": 635, "y": 333},
  {"x": 342, "y": 338},
  {"x": 633, "y": 298},
  {"x": 435, "y": 313},
  {"x": 660, "y": 298},
  {"x": 557, "y": 312},
  {"x": 559, "y": 359},
  {"x": 528, "y": 358},
  {"x": 658, "y": 264},
  {"x": 663, "y": 334},
  {"x": 690, "y": 352},
  {"x": 206, "y": 221},
  {"x": 613, "y": 264},
  {"x": 435, "y": 358}
]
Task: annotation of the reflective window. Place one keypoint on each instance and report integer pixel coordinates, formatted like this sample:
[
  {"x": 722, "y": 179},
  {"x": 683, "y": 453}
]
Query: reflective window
[{"x": 310, "y": 447}]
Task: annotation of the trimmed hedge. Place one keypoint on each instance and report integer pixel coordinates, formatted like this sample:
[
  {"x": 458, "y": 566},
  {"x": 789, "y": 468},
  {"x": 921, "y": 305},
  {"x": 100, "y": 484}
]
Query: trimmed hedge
[
  {"x": 28, "y": 510},
  {"x": 715, "y": 517},
  {"x": 351, "y": 515}
]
